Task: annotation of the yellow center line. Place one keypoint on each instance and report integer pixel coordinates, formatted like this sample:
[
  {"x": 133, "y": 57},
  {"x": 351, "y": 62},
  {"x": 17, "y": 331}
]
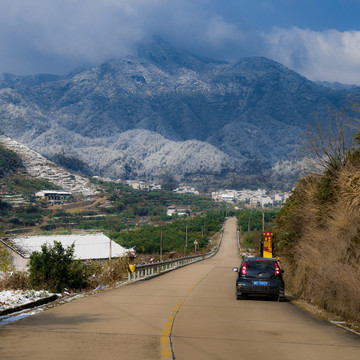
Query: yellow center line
[{"x": 166, "y": 346}]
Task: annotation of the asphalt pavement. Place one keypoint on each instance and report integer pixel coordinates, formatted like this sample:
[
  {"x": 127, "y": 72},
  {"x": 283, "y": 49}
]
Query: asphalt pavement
[{"x": 189, "y": 313}]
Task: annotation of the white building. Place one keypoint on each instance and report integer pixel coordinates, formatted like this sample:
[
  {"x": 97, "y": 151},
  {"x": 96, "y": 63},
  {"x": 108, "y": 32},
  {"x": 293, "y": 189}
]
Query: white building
[
  {"x": 54, "y": 196},
  {"x": 141, "y": 185},
  {"x": 181, "y": 210},
  {"x": 186, "y": 190},
  {"x": 87, "y": 247}
]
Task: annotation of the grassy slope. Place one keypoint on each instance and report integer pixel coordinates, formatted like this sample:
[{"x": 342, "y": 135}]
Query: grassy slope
[{"x": 319, "y": 240}]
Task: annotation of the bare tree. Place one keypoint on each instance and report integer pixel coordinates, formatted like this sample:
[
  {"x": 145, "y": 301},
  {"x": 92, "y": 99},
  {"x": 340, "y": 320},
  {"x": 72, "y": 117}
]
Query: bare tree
[{"x": 330, "y": 147}]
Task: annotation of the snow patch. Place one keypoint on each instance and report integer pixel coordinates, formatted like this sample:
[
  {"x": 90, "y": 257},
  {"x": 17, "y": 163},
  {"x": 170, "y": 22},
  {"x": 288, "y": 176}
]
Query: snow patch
[{"x": 12, "y": 298}]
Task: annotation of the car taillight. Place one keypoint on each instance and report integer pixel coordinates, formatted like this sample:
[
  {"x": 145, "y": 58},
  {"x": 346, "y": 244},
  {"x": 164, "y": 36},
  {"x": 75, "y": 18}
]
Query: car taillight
[
  {"x": 243, "y": 269},
  {"x": 277, "y": 269}
]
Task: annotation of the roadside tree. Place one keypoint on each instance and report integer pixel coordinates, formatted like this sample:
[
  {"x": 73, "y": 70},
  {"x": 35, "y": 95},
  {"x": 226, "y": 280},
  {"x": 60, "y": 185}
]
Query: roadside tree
[{"x": 55, "y": 268}]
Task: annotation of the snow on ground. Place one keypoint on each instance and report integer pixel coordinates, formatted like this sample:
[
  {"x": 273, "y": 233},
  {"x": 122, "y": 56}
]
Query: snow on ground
[{"x": 13, "y": 298}]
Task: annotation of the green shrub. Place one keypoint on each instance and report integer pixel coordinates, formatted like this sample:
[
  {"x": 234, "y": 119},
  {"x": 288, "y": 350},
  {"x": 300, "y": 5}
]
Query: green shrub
[{"x": 55, "y": 269}]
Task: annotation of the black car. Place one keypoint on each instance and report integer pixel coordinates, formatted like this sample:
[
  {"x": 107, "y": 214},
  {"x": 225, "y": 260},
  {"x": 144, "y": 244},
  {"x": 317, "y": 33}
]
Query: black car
[{"x": 259, "y": 276}]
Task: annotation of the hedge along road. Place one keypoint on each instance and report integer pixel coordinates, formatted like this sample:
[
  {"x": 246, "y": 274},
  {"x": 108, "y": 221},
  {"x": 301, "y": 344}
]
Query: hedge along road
[{"x": 190, "y": 313}]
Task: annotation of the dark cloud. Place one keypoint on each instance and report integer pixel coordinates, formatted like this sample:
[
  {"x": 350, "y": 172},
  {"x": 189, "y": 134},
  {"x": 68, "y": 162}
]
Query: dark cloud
[{"x": 51, "y": 36}]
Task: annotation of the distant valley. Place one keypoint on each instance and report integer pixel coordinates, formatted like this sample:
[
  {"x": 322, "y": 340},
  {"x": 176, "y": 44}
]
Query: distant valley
[{"x": 169, "y": 113}]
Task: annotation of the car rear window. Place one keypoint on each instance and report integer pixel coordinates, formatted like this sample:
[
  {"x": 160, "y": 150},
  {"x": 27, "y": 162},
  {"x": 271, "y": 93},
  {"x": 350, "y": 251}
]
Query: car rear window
[{"x": 260, "y": 264}]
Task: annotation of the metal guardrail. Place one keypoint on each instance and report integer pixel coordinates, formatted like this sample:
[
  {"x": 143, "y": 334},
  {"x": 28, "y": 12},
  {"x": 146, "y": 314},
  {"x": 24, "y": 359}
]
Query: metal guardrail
[{"x": 152, "y": 269}]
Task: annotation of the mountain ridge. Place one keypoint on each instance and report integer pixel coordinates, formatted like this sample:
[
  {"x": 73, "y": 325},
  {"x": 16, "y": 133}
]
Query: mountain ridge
[{"x": 248, "y": 112}]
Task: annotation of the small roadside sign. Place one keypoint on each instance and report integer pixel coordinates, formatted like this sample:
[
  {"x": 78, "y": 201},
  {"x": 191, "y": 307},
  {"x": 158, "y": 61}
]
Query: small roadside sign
[{"x": 131, "y": 268}]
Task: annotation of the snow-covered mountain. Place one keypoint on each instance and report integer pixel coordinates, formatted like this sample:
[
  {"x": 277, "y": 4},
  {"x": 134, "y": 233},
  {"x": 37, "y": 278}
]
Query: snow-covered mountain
[
  {"x": 167, "y": 111},
  {"x": 142, "y": 153}
]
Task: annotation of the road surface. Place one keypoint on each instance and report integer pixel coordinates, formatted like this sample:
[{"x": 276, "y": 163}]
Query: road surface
[{"x": 189, "y": 313}]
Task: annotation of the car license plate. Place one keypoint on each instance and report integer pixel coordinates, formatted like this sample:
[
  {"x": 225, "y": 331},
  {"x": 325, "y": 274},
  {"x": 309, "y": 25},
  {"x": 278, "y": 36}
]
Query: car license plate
[{"x": 260, "y": 283}]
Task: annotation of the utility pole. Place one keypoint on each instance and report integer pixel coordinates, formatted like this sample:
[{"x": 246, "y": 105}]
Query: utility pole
[
  {"x": 186, "y": 236},
  {"x": 161, "y": 246},
  {"x": 109, "y": 250}
]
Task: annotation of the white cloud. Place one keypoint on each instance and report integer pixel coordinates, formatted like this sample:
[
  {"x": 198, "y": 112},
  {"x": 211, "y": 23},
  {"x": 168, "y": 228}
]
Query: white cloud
[
  {"x": 219, "y": 30},
  {"x": 329, "y": 55}
]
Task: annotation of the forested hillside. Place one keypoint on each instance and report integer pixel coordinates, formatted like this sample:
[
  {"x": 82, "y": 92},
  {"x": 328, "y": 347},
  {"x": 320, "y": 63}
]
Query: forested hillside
[{"x": 9, "y": 161}]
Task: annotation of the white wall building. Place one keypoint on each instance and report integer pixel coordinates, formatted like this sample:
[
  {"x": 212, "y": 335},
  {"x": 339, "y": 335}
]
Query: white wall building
[
  {"x": 54, "y": 195},
  {"x": 87, "y": 247},
  {"x": 141, "y": 185}
]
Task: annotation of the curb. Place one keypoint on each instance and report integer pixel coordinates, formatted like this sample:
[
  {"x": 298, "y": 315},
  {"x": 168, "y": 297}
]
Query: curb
[{"x": 29, "y": 305}]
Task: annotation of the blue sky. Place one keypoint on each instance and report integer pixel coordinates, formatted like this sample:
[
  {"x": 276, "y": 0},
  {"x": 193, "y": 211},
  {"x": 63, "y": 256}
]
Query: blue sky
[{"x": 320, "y": 39}]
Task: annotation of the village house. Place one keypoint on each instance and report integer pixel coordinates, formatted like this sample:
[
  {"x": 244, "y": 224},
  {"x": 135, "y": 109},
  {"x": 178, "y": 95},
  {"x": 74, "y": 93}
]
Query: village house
[
  {"x": 141, "y": 185},
  {"x": 185, "y": 190},
  {"x": 53, "y": 196},
  {"x": 181, "y": 210},
  {"x": 96, "y": 247}
]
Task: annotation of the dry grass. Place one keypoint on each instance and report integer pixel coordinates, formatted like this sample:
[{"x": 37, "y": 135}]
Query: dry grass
[
  {"x": 15, "y": 280},
  {"x": 107, "y": 274},
  {"x": 325, "y": 263}
]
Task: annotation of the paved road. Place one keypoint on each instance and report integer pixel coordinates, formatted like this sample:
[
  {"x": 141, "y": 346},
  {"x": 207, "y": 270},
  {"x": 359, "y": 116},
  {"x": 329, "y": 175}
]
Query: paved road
[{"x": 194, "y": 305}]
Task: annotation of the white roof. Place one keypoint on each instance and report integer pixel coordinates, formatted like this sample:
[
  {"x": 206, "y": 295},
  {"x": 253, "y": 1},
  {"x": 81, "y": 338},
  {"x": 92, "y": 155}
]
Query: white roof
[
  {"x": 87, "y": 246},
  {"x": 51, "y": 192},
  {"x": 54, "y": 192}
]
